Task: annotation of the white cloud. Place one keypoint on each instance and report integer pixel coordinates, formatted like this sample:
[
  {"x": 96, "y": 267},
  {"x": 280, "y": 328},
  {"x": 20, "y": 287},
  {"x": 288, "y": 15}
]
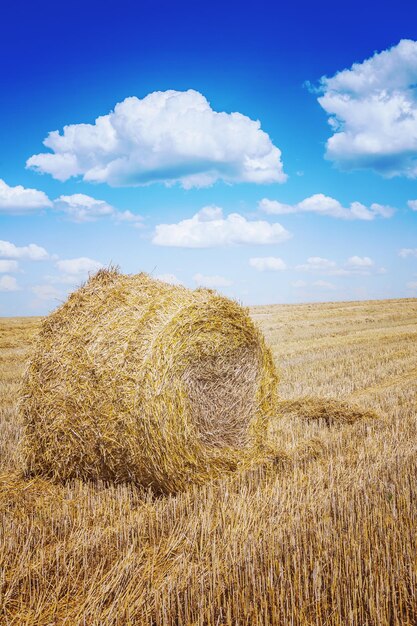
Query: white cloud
[
  {"x": 168, "y": 136},
  {"x": 299, "y": 284},
  {"x": 317, "y": 264},
  {"x": 169, "y": 278},
  {"x": 325, "y": 205},
  {"x": 127, "y": 216},
  {"x": 82, "y": 208},
  {"x": 33, "y": 252},
  {"x": 323, "y": 284},
  {"x": 358, "y": 261},
  {"x": 46, "y": 292},
  {"x": 8, "y": 283},
  {"x": 412, "y": 204},
  {"x": 18, "y": 200},
  {"x": 267, "y": 263},
  {"x": 273, "y": 207},
  {"x": 373, "y": 112},
  {"x": 78, "y": 267},
  {"x": 62, "y": 279},
  {"x": 405, "y": 252},
  {"x": 412, "y": 285},
  {"x": 8, "y": 266},
  {"x": 73, "y": 272},
  {"x": 211, "y": 282},
  {"x": 355, "y": 265},
  {"x": 209, "y": 228}
]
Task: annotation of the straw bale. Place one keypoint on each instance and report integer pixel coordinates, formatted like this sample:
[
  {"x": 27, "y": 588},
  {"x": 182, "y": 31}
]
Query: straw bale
[{"x": 133, "y": 379}]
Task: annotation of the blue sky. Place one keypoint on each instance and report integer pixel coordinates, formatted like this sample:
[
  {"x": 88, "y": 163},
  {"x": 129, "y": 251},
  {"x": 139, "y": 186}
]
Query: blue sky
[{"x": 237, "y": 148}]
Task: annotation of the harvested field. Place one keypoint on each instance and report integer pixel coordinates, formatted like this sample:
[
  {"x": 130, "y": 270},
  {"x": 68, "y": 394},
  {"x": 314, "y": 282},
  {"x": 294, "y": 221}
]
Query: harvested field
[{"x": 326, "y": 537}]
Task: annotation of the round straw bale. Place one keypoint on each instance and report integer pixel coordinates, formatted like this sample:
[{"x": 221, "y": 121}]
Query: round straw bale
[{"x": 133, "y": 379}]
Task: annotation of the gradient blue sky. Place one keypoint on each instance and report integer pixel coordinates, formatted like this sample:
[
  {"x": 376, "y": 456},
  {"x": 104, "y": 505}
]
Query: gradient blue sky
[{"x": 69, "y": 63}]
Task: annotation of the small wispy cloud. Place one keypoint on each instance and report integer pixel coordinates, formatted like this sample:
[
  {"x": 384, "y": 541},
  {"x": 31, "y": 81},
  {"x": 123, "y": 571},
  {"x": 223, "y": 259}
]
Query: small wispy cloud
[
  {"x": 360, "y": 262},
  {"x": 406, "y": 252},
  {"x": 299, "y": 284},
  {"x": 46, "y": 292},
  {"x": 323, "y": 284},
  {"x": 8, "y": 283},
  {"x": 169, "y": 278},
  {"x": 211, "y": 282},
  {"x": 79, "y": 266},
  {"x": 8, "y": 267},
  {"x": 269, "y": 263}
]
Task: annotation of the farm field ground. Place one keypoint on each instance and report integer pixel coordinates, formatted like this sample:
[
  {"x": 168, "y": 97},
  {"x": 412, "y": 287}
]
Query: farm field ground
[{"x": 328, "y": 538}]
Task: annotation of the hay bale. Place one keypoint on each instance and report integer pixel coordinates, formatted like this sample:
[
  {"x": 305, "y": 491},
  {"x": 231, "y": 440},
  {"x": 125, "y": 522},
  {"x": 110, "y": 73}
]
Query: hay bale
[
  {"x": 327, "y": 410},
  {"x": 133, "y": 379}
]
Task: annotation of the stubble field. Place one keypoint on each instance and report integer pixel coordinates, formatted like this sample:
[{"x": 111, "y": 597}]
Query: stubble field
[{"x": 326, "y": 538}]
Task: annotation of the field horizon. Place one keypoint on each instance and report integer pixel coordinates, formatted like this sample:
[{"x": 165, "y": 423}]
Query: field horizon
[{"x": 254, "y": 307}]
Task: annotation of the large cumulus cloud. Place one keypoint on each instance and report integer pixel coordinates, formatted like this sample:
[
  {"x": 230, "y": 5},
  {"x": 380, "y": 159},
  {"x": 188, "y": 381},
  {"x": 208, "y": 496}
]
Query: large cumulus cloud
[
  {"x": 373, "y": 112},
  {"x": 170, "y": 137}
]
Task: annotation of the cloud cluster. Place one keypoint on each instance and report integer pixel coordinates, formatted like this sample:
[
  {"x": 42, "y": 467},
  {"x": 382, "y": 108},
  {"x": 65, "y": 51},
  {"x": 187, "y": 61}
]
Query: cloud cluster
[
  {"x": 19, "y": 200},
  {"x": 372, "y": 110},
  {"x": 353, "y": 266},
  {"x": 210, "y": 228},
  {"x": 33, "y": 252},
  {"x": 325, "y": 205},
  {"x": 78, "y": 207},
  {"x": 168, "y": 136},
  {"x": 412, "y": 204},
  {"x": 267, "y": 263}
]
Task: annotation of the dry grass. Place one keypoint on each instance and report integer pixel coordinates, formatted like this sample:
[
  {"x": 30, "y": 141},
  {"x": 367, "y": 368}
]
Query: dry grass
[
  {"x": 330, "y": 412},
  {"x": 326, "y": 538}
]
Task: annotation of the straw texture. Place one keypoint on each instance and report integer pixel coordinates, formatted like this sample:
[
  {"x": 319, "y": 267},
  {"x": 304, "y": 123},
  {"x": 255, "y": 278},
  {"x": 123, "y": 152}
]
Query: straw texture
[
  {"x": 136, "y": 380},
  {"x": 327, "y": 410}
]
